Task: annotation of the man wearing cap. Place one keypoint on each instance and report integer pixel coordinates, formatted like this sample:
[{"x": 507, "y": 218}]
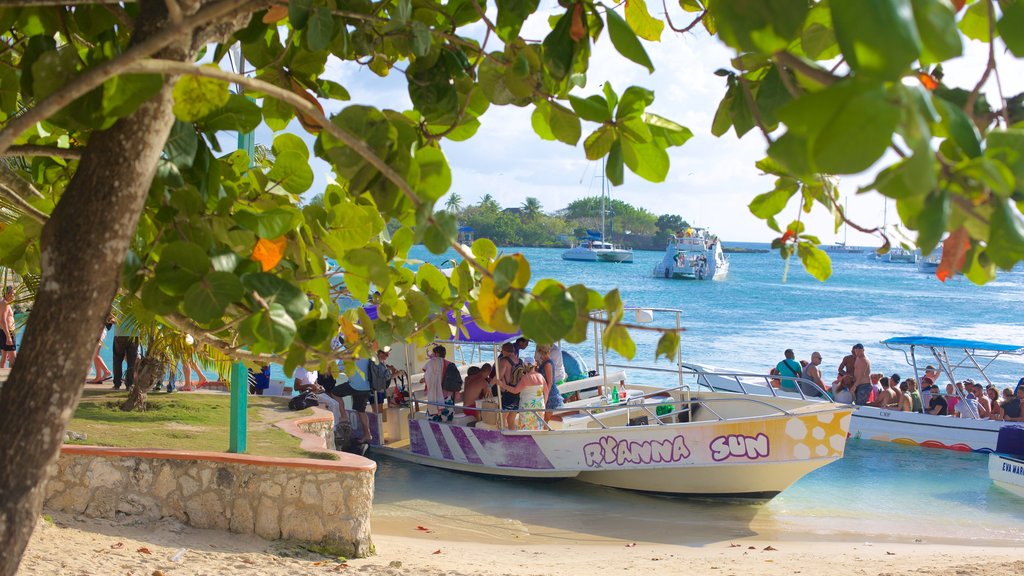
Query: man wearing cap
[
  {"x": 926, "y": 394},
  {"x": 969, "y": 408},
  {"x": 861, "y": 376},
  {"x": 1012, "y": 409},
  {"x": 937, "y": 406}
]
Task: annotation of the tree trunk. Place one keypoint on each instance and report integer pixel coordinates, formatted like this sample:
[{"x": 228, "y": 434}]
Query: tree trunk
[
  {"x": 150, "y": 371},
  {"x": 82, "y": 249}
]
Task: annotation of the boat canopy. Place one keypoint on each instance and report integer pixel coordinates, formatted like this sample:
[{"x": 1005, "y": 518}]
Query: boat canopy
[
  {"x": 953, "y": 343},
  {"x": 472, "y": 333}
]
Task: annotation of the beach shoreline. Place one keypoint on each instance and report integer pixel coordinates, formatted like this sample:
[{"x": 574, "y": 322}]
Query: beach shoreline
[{"x": 74, "y": 545}]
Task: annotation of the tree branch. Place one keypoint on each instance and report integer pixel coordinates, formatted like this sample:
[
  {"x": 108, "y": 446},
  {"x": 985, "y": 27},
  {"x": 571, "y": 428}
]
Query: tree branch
[
  {"x": 796, "y": 64},
  {"x": 15, "y": 182},
  {"x": 972, "y": 98},
  {"x": 94, "y": 77},
  {"x": 22, "y": 204},
  {"x": 38, "y": 3},
  {"x": 51, "y": 151},
  {"x": 690, "y": 26},
  {"x": 154, "y": 66}
]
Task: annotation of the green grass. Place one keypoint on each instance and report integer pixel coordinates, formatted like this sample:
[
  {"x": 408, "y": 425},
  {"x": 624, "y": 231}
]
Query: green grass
[{"x": 186, "y": 422}]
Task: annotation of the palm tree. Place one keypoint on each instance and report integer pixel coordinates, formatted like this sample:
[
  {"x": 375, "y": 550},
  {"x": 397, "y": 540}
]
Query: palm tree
[
  {"x": 489, "y": 204},
  {"x": 531, "y": 208},
  {"x": 454, "y": 203}
]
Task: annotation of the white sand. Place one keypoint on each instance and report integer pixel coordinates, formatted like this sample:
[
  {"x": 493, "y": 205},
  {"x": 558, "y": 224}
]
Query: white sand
[{"x": 95, "y": 547}]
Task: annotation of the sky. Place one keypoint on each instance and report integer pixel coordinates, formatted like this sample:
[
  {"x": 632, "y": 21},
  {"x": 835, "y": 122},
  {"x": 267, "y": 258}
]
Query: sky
[{"x": 711, "y": 180}]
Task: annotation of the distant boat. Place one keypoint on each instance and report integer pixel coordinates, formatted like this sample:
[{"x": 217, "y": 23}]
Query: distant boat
[
  {"x": 930, "y": 264},
  {"x": 1006, "y": 464},
  {"x": 593, "y": 249},
  {"x": 901, "y": 256},
  {"x": 842, "y": 247},
  {"x": 695, "y": 255}
]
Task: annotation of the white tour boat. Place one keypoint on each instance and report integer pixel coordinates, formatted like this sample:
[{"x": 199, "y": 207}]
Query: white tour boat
[
  {"x": 597, "y": 251},
  {"x": 899, "y": 255},
  {"x": 667, "y": 439},
  {"x": 694, "y": 255},
  {"x": 952, "y": 357},
  {"x": 1006, "y": 464}
]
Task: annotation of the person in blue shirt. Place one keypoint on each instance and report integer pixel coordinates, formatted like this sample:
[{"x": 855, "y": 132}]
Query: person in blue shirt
[
  {"x": 358, "y": 387},
  {"x": 789, "y": 369}
]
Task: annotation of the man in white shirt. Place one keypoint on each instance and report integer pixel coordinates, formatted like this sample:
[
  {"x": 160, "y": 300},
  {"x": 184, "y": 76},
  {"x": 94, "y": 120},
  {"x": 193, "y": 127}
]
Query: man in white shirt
[
  {"x": 556, "y": 358},
  {"x": 305, "y": 380}
]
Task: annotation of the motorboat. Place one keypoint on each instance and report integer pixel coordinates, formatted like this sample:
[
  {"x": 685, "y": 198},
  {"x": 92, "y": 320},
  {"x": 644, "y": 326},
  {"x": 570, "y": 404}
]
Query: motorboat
[
  {"x": 693, "y": 255},
  {"x": 665, "y": 438},
  {"x": 1006, "y": 464},
  {"x": 592, "y": 250},
  {"x": 952, "y": 356},
  {"x": 930, "y": 264},
  {"x": 899, "y": 255},
  {"x": 841, "y": 248}
]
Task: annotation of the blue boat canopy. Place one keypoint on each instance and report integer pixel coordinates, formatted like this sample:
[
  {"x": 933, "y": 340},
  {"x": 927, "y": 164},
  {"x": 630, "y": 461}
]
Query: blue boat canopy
[
  {"x": 952, "y": 343},
  {"x": 474, "y": 334}
]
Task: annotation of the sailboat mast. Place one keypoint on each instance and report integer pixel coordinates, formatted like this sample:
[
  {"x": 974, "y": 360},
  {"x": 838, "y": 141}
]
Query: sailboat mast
[
  {"x": 846, "y": 212},
  {"x": 602, "y": 200}
]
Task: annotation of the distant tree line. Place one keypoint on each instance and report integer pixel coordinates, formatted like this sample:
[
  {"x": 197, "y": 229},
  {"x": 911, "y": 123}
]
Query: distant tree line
[{"x": 529, "y": 225}]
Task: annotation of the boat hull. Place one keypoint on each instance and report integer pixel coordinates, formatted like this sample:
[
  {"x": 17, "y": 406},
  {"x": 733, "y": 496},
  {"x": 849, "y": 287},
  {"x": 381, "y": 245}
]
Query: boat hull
[
  {"x": 1007, "y": 472},
  {"x": 744, "y": 456}
]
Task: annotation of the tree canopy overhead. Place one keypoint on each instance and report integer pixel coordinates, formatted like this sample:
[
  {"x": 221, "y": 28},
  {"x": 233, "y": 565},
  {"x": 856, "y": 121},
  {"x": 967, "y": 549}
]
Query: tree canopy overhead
[{"x": 128, "y": 186}]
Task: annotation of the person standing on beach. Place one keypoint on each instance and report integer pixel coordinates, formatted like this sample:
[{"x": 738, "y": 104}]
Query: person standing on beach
[
  {"x": 861, "y": 376},
  {"x": 126, "y": 350},
  {"x": 8, "y": 344}
]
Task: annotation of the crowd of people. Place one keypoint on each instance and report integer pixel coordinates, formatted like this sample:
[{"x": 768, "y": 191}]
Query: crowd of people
[{"x": 856, "y": 383}]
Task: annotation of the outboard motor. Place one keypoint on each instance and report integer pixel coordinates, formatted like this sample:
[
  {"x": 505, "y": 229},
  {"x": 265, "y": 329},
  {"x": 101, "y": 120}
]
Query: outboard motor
[{"x": 1011, "y": 440}]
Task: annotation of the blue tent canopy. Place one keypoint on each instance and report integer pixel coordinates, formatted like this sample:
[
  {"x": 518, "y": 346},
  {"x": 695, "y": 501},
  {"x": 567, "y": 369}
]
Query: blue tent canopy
[{"x": 952, "y": 343}]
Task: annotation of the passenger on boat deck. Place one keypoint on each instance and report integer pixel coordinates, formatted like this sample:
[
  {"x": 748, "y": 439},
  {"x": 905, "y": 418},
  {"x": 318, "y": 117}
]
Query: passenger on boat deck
[
  {"x": 813, "y": 373},
  {"x": 968, "y": 408},
  {"x": 889, "y": 397},
  {"x": 951, "y": 399},
  {"x": 861, "y": 376},
  {"x": 876, "y": 385},
  {"x": 937, "y": 405},
  {"x": 433, "y": 374},
  {"x": 926, "y": 393},
  {"x": 521, "y": 344},
  {"x": 842, "y": 390},
  {"x": 476, "y": 386},
  {"x": 1012, "y": 409},
  {"x": 556, "y": 357},
  {"x": 993, "y": 397},
  {"x": 846, "y": 366},
  {"x": 916, "y": 403},
  {"x": 546, "y": 366},
  {"x": 507, "y": 364},
  {"x": 984, "y": 404},
  {"x": 1007, "y": 396},
  {"x": 789, "y": 369},
  {"x": 906, "y": 402}
]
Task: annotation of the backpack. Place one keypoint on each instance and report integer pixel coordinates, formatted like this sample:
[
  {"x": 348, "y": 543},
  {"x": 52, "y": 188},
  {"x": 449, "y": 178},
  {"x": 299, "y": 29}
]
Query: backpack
[
  {"x": 451, "y": 380},
  {"x": 378, "y": 376},
  {"x": 518, "y": 371},
  {"x": 304, "y": 400}
]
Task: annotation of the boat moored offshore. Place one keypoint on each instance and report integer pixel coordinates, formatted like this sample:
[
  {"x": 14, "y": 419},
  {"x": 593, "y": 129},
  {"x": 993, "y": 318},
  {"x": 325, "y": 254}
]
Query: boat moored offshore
[
  {"x": 592, "y": 250},
  {"x": 694, "y": 255}
]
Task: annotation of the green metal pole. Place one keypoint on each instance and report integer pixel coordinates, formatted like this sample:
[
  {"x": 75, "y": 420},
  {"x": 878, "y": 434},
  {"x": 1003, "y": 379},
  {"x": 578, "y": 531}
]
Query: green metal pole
[{"x": 239, "y": 374}]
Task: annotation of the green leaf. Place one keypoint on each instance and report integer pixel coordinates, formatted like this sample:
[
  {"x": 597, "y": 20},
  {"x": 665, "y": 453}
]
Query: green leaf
[
  {"x": 634, "y": 102},
  {"x": 239, "y": 115},
  {"x": 291, "y": 171},
  {"x": 207, "y": 300},
  {"x": 435, "y": 175},
  {"x": 290, "y": 143},
  {"x": 816, "y": 261},
  {"x": 771, "y": 203},
  {"x": 641, "y": 21},
  {"x": 123, "y": 94},
  {"x": 484, "y": 249},
  {"x": 277, "y": 114},
  {"x": 1011, "y": 27},
  {"x": 645, "y": 160},
  {"x": 565, "y": 126},
  {"x": 438, "y": 237},
  {"x": 858, "y": 134},
  {"x": 617, "y": 338},
  {"x": 271, "y": 330},
  {"x": 668, "y": 346},
  {"x": 196, "y": 96},
  {"x": 431, "y": 281},
  {"x": 625, "y": 40},
  {"x": 974, "y": 23},
  {"x": 936, "y": 23},
  {"x": 181, "y": 265},
  {"x": 511, "y": 15},
  {"x": 274, "y": 290},
  {"x": 723, "y": 119},
  {"x": 320, "y": 29},
  {"x": 878, "y": 37},
  {"x": 818, "y": 39},
  {"x": 157, "y": 301},
  {"x": 613, "y": 165},
  {"x": 932, "y": 221},
  {"x": 959, "y": 127},
  {"x": 298, "y": 13},
  {"x": 539, "y": 121},
  {"x": 1008, "y": 146},
  {"x": 592, "y": 108},
  {"x": 1006, "y": 235},
  {"x": 270, "y": 224},
  {"x": 549, "y": 315},
  {"x": 557, "y": 48},
  {"x": 765, "y": 26},
  {"x": 599, "y": 142},
  {"x": 181, "y": 145}
]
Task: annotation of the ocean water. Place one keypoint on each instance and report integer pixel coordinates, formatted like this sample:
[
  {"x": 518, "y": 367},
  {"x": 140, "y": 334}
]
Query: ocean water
[{"x": 879, "y": 491}]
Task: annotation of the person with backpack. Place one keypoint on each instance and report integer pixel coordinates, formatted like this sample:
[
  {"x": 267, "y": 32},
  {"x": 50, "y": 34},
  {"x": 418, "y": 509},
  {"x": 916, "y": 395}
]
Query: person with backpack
[
  {"x": 510, "y": 382},
  {"x": 442, "y": 380},
  {"x": 368, "y": 378},
  {"x": 789, "y": 370}
]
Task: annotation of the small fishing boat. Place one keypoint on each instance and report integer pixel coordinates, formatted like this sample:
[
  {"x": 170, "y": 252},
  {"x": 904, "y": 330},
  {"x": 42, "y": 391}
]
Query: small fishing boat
[
  {"x": 1006, "y": 464},
  {"x": 693, "y": 255},
  {"x": 593, "y": 250},
  {"x": 664, "y": 439},
  {"x": 952, "y": 356},
  {"x": 930, "y": 264},
  {"x": 898, "y": 255}
]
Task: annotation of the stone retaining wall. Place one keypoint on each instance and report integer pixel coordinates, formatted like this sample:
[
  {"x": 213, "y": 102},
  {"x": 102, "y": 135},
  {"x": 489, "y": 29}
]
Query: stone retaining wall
[{"x": 318, "y": 501}]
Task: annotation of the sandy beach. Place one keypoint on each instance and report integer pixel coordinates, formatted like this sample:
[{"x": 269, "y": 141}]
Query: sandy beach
[{"x": 76, "y": 546}]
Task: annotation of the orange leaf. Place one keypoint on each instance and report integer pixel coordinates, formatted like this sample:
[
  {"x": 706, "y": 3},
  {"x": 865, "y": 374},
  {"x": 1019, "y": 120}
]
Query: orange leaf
[
  {"x": 928, "y": 81},
  {"x": 275, "y": 14},
  {"x": 954, "y": 254},
  {"x": 269, "y": 252},
  {"x": 958, "y": 5},
  {"x": 348, "y": 330},
  {"x": 308, "y": 122},
  {"x": 577, "y": 31}
]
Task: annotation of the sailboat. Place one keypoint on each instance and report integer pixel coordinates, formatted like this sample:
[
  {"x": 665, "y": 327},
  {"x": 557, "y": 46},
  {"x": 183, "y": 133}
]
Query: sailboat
[
  {"x": 842, "y": 247},
  {"x": 592, "y": 249},
  {"x": 896, "y": 254}
]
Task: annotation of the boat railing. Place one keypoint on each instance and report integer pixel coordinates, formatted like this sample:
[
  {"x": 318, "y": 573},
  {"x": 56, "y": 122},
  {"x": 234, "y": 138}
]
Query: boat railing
[
  {"x": 813, "y": 391},
  {"x": 642, "y": 405}
]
